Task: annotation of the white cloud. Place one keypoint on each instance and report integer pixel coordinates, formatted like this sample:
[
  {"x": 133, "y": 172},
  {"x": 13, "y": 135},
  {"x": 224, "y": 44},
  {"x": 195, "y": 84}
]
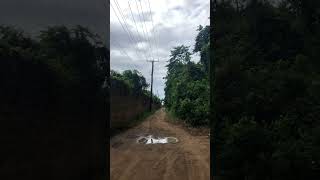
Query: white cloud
[{"x": 175, "y": 23}]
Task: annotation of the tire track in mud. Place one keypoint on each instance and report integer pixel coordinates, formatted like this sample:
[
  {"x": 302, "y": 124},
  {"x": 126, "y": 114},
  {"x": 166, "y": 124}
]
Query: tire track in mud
[{"x": 186, "y": 160}]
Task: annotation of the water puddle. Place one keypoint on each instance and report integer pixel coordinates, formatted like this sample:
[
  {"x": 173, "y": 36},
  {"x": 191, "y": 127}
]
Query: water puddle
[{"x": 156, "y": 140}]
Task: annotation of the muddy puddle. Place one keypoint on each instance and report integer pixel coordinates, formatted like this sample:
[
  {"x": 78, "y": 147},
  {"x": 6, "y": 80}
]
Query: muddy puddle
[{"x": 156, "y": 140}]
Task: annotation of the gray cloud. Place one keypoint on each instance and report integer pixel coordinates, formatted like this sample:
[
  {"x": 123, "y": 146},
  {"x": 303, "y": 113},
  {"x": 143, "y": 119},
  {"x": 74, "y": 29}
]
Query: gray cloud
[
  {"x": 121, "y": 35},
  {"x": 139, "y": 18}
]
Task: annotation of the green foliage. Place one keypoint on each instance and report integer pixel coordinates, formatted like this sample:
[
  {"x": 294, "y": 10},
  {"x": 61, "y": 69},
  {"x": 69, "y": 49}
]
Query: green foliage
[
  {"x": 135, "y": 80},
  {"x": 132, "y": 82},
  {"x": 187, "y": 88},
  {"x": 202, "y": 45},
  {"x": 266, "y": 91}
]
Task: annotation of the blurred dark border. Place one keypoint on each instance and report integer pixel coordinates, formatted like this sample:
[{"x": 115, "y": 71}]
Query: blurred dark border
[{"x": 38, "y": 145}]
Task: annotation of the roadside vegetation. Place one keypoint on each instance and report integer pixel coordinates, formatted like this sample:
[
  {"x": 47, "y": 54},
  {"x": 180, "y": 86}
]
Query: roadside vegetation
[
  {"x": 129, "y": 100},
  {"x": 187, "y": 85},
  {"x": 132, "y": 82}
]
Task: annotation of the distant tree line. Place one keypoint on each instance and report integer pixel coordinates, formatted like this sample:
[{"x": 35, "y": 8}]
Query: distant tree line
[
  {"x": 267, "y": 89},
  {"x": 187, "y": 85},
  {"x": 132, "y": 82}
]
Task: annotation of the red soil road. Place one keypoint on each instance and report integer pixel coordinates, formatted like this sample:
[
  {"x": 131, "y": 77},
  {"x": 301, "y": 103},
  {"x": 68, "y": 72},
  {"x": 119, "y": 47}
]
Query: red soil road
[{"x": 189, "y": 159}]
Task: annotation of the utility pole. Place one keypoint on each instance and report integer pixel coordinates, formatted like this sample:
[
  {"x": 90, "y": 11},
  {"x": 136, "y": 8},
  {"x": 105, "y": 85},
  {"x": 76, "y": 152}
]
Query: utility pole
[
  {"x": 152, "y": 62},
  {"x": 150, "y": 105}
]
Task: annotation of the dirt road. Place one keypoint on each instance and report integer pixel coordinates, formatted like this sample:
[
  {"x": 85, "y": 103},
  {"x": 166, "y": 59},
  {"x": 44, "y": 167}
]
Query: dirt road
[{"x": 189, "y": 159}]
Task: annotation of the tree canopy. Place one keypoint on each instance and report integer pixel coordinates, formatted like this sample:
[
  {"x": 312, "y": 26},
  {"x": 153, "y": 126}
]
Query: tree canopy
[{"x": 187, "y": 87}]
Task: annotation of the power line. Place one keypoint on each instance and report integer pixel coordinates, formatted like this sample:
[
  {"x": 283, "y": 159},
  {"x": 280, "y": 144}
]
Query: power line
[
  {"x": 134, "y": 20},
  {"x": 124, "y": 20},
  {"x": 136, "y": 25},
  {"x": 123, "y": 17},
  {"x": 146, "y": 30},
  {"x": 140, "y": 18},
  {"x": 123, "y": 52},
  {"x": 126, "y": 25},
  {"x": 122, "y": 25},
  {"x": 154, "y": 35},
  {"x": 143, "y": 29}
]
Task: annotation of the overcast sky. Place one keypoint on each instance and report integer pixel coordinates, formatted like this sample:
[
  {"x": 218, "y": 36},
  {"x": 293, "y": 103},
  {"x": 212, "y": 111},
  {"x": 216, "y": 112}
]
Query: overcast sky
[{"x": 143, "y": 37}]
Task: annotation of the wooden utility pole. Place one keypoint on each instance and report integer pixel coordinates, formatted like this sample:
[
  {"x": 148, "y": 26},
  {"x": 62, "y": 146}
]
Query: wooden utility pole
[{"x": 151, "y": 97}]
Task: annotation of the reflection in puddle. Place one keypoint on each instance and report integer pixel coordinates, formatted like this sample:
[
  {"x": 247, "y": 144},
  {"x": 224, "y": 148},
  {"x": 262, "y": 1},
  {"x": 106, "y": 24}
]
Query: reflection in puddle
[{"x": 152, "y": 140}]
